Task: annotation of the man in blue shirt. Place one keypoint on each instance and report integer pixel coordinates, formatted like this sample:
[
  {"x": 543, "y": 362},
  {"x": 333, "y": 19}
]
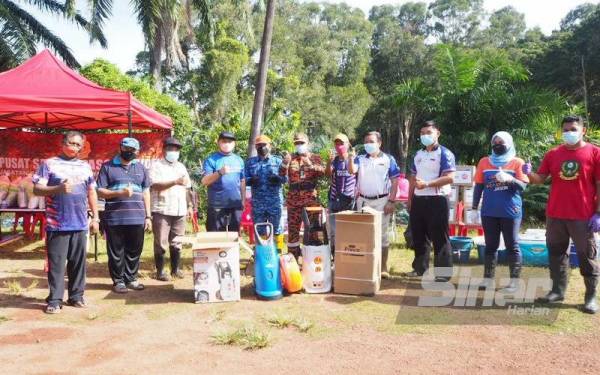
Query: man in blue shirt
[
  {"x": 68, "y": 185},
  {"x": 262, "y": 174},
  {"x": 224, "y": 177},
  {"x": 125, "y": 184}
]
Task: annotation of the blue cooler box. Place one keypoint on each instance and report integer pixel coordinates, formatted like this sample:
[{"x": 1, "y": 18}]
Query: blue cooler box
[
  {"x": 574, "y": 259},
  {"x": 535, "y": 252}
]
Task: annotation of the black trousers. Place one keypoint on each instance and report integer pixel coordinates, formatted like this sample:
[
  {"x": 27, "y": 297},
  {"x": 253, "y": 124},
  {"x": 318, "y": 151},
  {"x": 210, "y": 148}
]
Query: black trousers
[
  {"x": 66, "y": 248},
  {"x": 220, "y": 219},
  {"x": 124, "y": 247},
  {"x": 429, "y": 221}
]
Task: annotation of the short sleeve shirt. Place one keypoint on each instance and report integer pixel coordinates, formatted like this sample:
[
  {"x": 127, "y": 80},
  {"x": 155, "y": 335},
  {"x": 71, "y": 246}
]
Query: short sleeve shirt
[
  {"x": 171, "y": 201},
  {"x": 500, "y": 199},
  {"x": 375, "y": 174},
  {"x": 429, "y": 165},
  {"x": 66, "y": 212},
  {"x": 115, "y": 176},
  {"x": 267, "y": 183},
  {"x": 574, "y": 175},
  {"x": 225, "y": 192},
  {"x": 342, "y": 181}
]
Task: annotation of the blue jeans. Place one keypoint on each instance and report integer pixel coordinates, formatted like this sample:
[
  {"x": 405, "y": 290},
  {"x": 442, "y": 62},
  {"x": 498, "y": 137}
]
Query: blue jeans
[{"x": 509, "y": 228}]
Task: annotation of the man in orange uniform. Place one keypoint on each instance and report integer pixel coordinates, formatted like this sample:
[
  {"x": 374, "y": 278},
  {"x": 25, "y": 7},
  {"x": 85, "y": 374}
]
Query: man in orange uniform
[{"x": 303, "y": 170}]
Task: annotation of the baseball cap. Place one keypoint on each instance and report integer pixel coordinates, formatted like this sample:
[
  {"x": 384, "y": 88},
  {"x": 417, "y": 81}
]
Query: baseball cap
[
  {"x": 227, "y": 135},
  {"x": 130, "y": 142},
  {"x": 172, "y": 141},
  {"x": 341, "y": 137},
  {"x": 300, "y": 137},
  {"x": 262, "y": 139}
]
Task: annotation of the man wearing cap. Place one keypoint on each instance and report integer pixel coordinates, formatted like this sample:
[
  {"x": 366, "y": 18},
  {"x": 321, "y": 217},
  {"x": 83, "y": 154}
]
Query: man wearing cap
[
  {"x": 303, "y": 169},
  {"x": 169, "y": 192},
  {"x": 125, "y": 184},
  {"x": 224, "y": 177},
  {"x": 342, "y": 170},
  {"x": 262, "y": 174}
]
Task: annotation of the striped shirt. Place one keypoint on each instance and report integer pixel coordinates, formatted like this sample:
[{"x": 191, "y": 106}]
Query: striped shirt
[
  {"x": 66, "y": 212},
  {"x": 342, "y": 181},
  {"x": 115, "y": 176}
]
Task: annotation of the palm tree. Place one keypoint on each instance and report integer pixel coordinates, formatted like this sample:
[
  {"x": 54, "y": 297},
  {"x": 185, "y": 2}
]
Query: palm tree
[{"x": 21, "y": 32}]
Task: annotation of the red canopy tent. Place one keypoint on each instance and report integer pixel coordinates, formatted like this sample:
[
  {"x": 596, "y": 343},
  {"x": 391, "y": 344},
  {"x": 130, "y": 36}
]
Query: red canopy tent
[{"x": 45, "y": 93}]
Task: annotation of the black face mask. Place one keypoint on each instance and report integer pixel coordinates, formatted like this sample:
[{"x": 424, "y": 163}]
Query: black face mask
[
  {"x": 262, "y": 150},
  {"x": 127, "y": 155},
  {"x": 499, "y": 149}
]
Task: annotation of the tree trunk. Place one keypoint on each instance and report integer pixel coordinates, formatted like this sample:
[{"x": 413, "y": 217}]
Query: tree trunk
[
  {"x": 156, "y": 57},
  {"x": 261, "y": 80}
]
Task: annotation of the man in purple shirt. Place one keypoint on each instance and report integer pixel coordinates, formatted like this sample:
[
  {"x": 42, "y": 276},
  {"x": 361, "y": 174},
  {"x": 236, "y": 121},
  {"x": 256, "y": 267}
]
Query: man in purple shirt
[{"x": 68, "y": 185}]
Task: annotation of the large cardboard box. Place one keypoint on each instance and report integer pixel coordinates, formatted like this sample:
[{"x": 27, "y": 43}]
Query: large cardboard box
[
  {"x": 472, "y": 217},
  {"x": 216, "y": 266},
  {"x": 468, "y": 196},
  {"x": 357, "y": 252},
  {"x": 453, "y": 197},
  {"x": 465, "y": 175},
  {"x": 452, "y": 213}
]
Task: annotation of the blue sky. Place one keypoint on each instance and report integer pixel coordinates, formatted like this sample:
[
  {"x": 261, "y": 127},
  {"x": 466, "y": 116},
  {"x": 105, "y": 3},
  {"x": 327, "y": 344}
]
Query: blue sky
[{"x": 125, "y": 37}]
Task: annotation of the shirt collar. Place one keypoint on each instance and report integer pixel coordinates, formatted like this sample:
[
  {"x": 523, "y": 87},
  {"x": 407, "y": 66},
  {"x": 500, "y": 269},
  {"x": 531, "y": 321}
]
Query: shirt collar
[
  {"x": 434, "y": 149},
  {"x": 117, "y": 161}
]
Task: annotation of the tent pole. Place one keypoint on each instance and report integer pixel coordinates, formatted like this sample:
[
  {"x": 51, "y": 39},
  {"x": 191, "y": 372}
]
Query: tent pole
[{"x": 129, "y": 124}]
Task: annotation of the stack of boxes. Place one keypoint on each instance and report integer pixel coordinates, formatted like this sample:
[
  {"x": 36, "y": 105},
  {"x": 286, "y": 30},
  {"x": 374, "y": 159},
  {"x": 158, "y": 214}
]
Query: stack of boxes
[{"x": 463, "y": 188}]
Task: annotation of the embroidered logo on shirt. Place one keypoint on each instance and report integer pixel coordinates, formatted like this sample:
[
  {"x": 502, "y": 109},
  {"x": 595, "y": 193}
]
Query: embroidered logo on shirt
[{"x": 569, "y": 170}]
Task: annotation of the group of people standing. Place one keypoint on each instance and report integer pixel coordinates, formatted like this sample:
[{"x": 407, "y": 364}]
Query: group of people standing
[{"x": 159, "y": 199}]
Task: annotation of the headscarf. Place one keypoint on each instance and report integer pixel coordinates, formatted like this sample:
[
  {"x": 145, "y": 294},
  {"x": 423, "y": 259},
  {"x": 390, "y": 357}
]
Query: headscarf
[{"x": 502, "y": 160}]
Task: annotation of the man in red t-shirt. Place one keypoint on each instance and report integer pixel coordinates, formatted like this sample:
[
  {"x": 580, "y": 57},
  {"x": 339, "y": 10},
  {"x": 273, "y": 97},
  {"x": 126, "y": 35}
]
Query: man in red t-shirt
[{"x": 573, "y": 209}]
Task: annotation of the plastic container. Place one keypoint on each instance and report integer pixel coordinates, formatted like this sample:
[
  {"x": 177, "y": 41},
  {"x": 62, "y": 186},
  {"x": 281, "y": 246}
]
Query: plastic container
[
  {"x": 535, "y": 252},
  {"x": 502, "y": 255},
  {"x": 573, "y": 258},
  {"x": 291, "y": 277},
  {"x": 402, "y": 193},
  {"x": 267, "y": 278},
  {"x": 461, "y": 249}
]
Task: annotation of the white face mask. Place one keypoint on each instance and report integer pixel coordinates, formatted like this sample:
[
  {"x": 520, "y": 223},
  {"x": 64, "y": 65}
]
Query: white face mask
[
  {"x": 302, "y": 148},
  {"x": 227, "y": 147},
  {"x": 172, "y": 156}
]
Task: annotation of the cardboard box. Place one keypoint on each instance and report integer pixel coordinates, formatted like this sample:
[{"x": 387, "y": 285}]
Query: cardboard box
[
  {"x": 468, "y": 196},
  {"x": 358, "y": 252},
  {"x": 216, "y": 266},
  {"x": 453, "y": 197},
  {"x": 472, "y": 217},
  {"x": 464, "y": 176},
  {"x": 452, "y": 214}
]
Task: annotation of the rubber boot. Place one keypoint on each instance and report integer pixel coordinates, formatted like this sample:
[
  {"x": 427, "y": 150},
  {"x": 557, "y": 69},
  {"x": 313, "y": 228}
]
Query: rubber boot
[
  {"x": 176, "y": 271},
  {"x": 385, "y": 250},
  {"x": 159, "y": 261},
  {"x": 559, "y": 275},
  {"x": 590, "y": 305},
  {"x": 489, "y": 271},
  {"x": 515, "y": 274},
  {"x": 279, "y": 243}
]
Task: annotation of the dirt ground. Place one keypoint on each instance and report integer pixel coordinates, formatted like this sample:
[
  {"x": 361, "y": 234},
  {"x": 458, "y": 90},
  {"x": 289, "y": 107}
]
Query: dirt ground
[{"x": 160, "y": 330}]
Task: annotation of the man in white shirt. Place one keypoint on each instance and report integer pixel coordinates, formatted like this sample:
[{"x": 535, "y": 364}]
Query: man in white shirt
[
  {"x": 432, "y": 173},
  {"x": 377, "y": 185},
  {"x": 170, "y": 184}
]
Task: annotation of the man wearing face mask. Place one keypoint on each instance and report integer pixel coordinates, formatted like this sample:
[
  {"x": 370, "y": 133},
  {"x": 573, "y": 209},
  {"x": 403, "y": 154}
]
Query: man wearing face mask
[
  {"x": 377, "y": 186},
  {"x": 303, "y": 169},
  {"x": 169, "y": 192},
  {"x": 125, "y": 184},
  {"x": 262, "y": 174},
  {"x": 573, "y": 210},
  {"x": 224, "y": 177},
  {"x": 342, "y": 191},
  {"x": 432, "y": 172},
  {"x": 70, "y": 187}
]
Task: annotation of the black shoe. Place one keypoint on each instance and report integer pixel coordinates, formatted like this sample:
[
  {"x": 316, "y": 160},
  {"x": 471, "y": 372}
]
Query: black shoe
[
  {"x": 590, "y": 305},
  {"x": 487, "y": 283},
  {"x": 135, "y": 285},
  {"x": 120, "y": 288},
  {"x": 413, "y": 273},
  {"x": 162, "y": 276},
  {"x": 442, "y": 279},
  {"x": 552, "y": 297}
]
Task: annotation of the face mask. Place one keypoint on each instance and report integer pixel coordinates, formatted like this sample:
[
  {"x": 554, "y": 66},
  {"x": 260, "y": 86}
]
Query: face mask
[
  {"x": 127, "y": 155},
  {"x": 427, "y": 139},
  {"x": 371, "y": 148},
  {"x": 302, "y": 148},
  {"x": 499, "y": 149},
  {"x": 263, "y": 150},
  {"x": 341, "y": 149},
  {"x": 172, "y": 156},
  {"x": 571, "y": 138},
  {"x": 227, "y": 148}
]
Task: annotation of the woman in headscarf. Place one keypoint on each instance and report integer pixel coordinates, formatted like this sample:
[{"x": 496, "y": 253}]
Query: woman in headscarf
[{"x": 500, "y": 179}]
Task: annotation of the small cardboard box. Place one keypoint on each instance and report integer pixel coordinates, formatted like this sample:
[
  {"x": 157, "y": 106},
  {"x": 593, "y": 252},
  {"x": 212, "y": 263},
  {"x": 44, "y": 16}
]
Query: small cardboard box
[
  {"x": 216, "y": 266},
  {"x": 465, "y": 175},
  {"x": 453, "y": 197},
  {"x": 452, "y": 214},
  {"x": 468, "y": 196},
  {"x": 472, "y": 217},
  {"x": 358, "y": 252}
]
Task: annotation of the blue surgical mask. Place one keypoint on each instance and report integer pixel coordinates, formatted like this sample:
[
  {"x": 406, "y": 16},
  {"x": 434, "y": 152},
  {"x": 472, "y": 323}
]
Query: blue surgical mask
[
  {"x": 302, "y": 148},
  {"x": 571, "y": 138},
  {"x": 427, "y": 139},
  {"x": 172, "y": 156},
  {"x": 371, "y": 148}
]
